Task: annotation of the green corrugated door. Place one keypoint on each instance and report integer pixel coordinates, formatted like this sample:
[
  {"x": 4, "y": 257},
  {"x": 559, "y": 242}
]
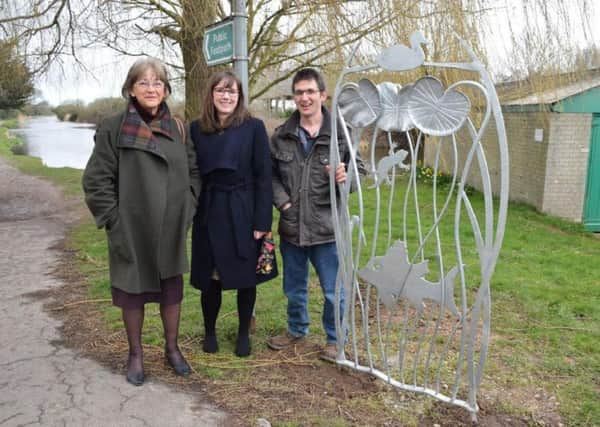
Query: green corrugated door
[{"x": 591, "y": 215}]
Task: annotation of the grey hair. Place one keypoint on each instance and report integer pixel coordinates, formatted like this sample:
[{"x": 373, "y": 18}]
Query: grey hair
[{"x": 139, "y": 67}]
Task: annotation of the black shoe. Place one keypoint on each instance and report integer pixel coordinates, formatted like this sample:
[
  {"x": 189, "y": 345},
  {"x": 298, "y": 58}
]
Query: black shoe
[
  {"x": 210, "y": 344},
  {"x": 180, "y": 366},
  {"x": 242, "y": 346},
  {"x": 135, "y": 377}
]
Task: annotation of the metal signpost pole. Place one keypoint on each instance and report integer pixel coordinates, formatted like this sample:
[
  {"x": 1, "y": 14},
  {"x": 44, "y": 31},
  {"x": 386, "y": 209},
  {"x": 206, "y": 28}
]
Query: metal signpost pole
[{"x": 240, "y": 45}]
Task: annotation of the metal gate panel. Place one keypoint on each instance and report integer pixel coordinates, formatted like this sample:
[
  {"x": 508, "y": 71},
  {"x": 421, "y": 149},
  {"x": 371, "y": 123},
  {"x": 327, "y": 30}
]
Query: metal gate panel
[{"x": 416, "y": 260}]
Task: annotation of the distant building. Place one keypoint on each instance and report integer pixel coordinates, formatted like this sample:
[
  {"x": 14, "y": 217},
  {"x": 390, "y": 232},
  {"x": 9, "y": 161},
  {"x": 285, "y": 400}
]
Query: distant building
[
  {"x": 278, "y": 100},
  {"x": 554, "y": 148}
]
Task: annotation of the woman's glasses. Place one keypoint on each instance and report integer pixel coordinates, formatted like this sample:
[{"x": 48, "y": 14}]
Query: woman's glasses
[
  {"x": 155, "y": 84},
  {"x": 221, "y": 91}
]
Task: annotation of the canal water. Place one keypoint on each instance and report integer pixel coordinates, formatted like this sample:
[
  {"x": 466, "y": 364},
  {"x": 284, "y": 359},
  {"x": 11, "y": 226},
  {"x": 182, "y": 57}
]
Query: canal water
[
  {"x": 57, "y": 143},
  {"x": 61, "y": 144}
]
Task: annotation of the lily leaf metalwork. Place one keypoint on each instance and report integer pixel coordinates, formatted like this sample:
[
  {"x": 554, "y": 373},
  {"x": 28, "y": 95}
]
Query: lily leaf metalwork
[
  {"x": 396, "y": 278},
  {"x": 434, "y": 111},
  {"x": 440, "y": 348},
  {"x": 394, "y": 106},
  {"x": 402, "y": 58},
  {"x": 359, "y": 103}
]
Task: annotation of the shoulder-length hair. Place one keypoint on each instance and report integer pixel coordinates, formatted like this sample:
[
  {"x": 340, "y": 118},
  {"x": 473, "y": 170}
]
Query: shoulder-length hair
[
  {"x": 209, "y": 120},
  {"x": 138, "y": 68}
]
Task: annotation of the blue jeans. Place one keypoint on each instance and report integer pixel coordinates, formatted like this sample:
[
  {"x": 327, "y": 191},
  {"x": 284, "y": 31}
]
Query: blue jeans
[{"x": 324, "y": 259}]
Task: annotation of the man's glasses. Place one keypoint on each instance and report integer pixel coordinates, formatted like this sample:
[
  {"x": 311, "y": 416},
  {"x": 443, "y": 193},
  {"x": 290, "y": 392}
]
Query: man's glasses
[
  {"x": 221, "y": 91},
  {"x": 155, "y": 84},
  {"x": 309, "y": 92}
]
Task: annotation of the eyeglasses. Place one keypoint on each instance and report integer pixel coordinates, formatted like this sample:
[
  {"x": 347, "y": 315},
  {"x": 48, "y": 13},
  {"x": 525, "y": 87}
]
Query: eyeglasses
[
  {"x": 309, "y": 92},
  {"x": 155, "y": 84},
  {"x": 221, "y": 91}
]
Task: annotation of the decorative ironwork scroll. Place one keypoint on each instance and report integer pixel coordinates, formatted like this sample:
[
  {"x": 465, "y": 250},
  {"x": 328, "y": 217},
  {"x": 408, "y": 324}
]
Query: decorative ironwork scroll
[{"x": 417, "y": 247}]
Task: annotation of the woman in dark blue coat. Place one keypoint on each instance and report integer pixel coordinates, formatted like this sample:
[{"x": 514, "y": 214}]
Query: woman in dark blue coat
[{"x": 235, "y": 205}]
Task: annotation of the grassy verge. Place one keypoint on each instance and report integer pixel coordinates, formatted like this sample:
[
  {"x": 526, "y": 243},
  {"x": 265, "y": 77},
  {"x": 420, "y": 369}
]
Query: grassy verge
[
  {"x": 546, "y": 327},
  {"x": 10, "y": 123},
  {"x": 547, "y": 311}
]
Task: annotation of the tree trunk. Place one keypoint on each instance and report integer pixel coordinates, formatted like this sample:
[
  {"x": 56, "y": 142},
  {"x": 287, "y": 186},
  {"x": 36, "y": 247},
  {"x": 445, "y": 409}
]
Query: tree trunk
[{"x": 196, "y": 15}]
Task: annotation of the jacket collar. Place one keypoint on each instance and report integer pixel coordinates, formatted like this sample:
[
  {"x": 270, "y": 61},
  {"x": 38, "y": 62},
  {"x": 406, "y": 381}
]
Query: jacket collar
[{"x": 291, "y": 125}]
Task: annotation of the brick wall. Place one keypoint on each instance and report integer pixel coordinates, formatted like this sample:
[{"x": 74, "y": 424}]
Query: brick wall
[
  {"x": 527, "y": 155},
  {"x": 549, "y": 174},
  {"x": 566, "y": 165},
  {"x": 527, "y": 158}
]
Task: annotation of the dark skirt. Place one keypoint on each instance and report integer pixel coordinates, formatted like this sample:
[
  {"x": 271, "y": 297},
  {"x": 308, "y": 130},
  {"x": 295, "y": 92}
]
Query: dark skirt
[{"x": 171, "y": 293}]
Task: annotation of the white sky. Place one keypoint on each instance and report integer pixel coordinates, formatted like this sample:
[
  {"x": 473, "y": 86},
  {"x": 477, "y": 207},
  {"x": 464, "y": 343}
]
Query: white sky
[
  {"x": 107, "y": 70},
  {"x": 509, "y": 14},
  {"x": 105, "y": 74}
]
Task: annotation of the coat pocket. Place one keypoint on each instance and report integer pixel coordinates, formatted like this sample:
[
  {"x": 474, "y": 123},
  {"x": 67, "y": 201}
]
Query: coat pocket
[
  {"x": 288, "y": 220},
  {"x": 118, "y": 247},
  {"x": 288, "y": 169}
]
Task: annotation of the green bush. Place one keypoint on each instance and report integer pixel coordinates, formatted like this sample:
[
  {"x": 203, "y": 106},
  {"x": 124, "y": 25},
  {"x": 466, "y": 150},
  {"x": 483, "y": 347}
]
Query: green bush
[
  {"x": 99, "y": 109},
  {"x": 426, "y": 175},
  {"x": 69, "y": 111},
  {"x": 8, "y": 114},
  {"x": 18, "y": 148},
  {"x": 37, "y": 109},
  {"x": 16, "y": 79},
  {"x": 10, "y": 123}
]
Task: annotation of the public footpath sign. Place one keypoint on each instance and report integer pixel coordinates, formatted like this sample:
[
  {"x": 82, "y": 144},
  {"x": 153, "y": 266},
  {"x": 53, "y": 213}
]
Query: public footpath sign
[{"x": 218, "y": 43}]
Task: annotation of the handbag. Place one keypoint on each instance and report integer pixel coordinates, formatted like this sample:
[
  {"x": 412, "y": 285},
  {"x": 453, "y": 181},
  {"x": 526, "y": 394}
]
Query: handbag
[{"x": 266, "y": 256}]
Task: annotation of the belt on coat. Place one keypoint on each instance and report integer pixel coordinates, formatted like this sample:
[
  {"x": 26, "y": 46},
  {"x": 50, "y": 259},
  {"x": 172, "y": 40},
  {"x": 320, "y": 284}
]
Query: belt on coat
[{"x": 236, "y": 205}]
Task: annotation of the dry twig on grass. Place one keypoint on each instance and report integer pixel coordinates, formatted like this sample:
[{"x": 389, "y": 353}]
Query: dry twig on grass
[{"x": 75, "y": 303}]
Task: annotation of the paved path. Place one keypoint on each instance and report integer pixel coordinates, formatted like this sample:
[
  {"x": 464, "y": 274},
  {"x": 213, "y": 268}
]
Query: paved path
[{"x": 41, "y": 382}]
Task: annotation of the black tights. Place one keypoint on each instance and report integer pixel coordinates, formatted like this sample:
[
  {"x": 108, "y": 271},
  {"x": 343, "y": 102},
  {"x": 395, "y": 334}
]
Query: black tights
[
  {"x": 133, "y": 318},
  {"x": 211, "y": 304}
]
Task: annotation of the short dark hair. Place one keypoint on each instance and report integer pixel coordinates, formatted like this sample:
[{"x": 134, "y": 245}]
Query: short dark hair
[
  {"x": 209, "y": 122},
  {"x": 309, "y": 74}
]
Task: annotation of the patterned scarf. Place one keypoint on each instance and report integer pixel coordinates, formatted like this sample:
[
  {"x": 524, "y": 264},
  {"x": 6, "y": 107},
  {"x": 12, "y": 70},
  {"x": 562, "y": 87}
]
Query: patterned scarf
[{"x": 136, "y": 132}]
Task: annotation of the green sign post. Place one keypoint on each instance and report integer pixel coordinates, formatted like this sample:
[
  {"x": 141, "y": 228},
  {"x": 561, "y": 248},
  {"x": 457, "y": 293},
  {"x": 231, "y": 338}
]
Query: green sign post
[
  {"x": 226, "y": 41},
  {"x": 218, "y": 46}
]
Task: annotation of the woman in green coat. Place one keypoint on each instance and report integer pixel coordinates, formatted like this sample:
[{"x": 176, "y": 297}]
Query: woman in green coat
[{"x": 139, "y": 185}]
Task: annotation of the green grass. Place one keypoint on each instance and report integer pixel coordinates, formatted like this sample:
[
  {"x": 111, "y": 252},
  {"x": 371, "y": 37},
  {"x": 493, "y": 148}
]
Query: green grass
[
  {"x": 10, "y": 123},
  {"x": 545, "y": 303}
]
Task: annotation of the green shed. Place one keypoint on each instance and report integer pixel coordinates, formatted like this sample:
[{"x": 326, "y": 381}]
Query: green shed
[{"x": 570, "y": 134}]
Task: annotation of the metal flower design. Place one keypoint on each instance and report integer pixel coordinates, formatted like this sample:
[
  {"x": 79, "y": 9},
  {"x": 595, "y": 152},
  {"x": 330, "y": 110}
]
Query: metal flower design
[
  {"x": 360, "y": 103},
  {"x": 394, "y": 106},
  {"x": 432, "y": 320},
  {"x": 434, "y": 111}
]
